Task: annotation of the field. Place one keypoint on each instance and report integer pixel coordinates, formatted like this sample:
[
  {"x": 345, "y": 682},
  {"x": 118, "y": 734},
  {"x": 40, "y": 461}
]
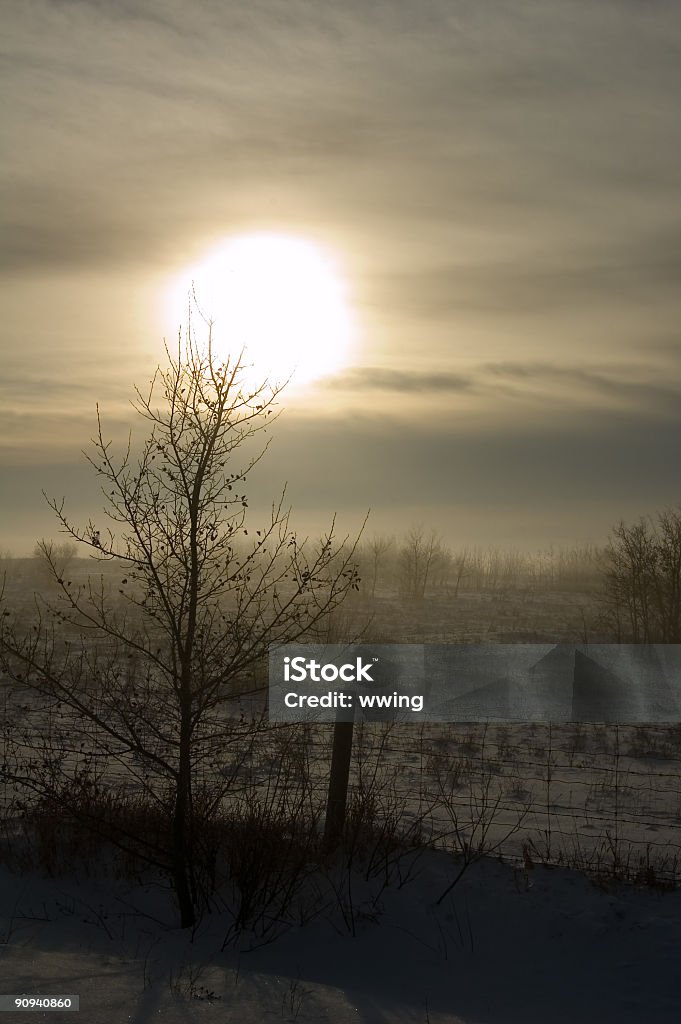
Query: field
[
  {"x": 456, "y": 838},
  {"x": 581, "y": 794}
]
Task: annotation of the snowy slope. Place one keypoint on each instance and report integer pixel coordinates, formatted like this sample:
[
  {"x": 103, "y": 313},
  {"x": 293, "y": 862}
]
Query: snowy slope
[{"x": 506, "y": 946}]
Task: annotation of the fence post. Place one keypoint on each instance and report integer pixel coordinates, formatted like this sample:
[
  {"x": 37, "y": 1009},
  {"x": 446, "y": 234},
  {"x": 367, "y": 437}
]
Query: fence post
[{"x": 341, "y": 756}]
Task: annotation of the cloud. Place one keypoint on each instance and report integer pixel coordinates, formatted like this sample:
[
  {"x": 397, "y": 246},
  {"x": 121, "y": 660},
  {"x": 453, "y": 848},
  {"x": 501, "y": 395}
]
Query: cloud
[
  {"x": 502, "y": 179},
  {"x": 598, "y": 274},
  {"x": 377, "y": 461},
  {"x": 522, "y": 482},
  {"x": 563, "y": 386},
  {"x": 637, "y": 391},
  {"x": 375, "y": 378},
  {"x": 131, "y": 125}
]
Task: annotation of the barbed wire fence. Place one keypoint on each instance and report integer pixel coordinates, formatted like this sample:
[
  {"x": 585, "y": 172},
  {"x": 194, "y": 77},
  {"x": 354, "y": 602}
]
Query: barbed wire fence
[
  {"x": 605, "y": 799},
  {"x": 588, "y": 796}
]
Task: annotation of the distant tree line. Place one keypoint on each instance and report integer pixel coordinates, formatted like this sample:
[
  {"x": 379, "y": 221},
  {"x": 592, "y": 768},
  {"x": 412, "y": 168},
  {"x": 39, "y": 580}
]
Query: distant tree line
[
  {"x": 635, "y": 578},
  {"x": 413, "y": 565},
  {"x": 421, "y": 563}
]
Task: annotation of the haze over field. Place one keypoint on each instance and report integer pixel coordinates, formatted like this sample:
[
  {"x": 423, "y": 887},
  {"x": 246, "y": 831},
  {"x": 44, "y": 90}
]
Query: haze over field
[{"x": 495, "y": 187}]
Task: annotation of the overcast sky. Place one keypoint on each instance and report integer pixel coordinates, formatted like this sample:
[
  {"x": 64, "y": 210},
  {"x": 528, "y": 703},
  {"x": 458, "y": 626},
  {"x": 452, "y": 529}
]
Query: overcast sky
[{"x": 499, "y": 183}]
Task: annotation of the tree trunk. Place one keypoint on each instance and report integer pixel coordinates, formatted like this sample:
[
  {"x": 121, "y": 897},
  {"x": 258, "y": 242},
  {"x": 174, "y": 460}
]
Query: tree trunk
[{"x": 182, "y": 852}]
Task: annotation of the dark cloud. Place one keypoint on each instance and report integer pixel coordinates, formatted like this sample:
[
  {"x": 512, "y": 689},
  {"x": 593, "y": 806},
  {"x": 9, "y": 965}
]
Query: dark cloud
[
  {"x": 385, "y": 462},
  {"x": 439, "y": 470},
  {"x": 374, "y": 378},
  {"x": 586, "y": 385},
  {"x": 51, "y": 229},
  {"x": 563, "y": 385}
]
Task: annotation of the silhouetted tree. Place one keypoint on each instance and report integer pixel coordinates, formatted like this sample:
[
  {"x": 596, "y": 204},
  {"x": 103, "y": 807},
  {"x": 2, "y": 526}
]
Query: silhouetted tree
[
  {"x": 378, "y": 547},
  {"x": 642, "y": 568},
  {"x": 418, "y": 558},
  {"x": 145, "y": 669}
]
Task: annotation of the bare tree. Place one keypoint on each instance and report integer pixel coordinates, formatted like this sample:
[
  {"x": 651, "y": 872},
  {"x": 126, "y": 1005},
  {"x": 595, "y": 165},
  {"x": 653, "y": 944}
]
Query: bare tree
[
  {"x": 378, "y": 547},
  {"x": 54, "y": 556},
  {"x": 200, "y": 595},
  {"x": 461, "y": 568},
  {"x": 642, "y": 568},
  {"x": 5, "y": 562},
  {"x": 419, "y": 556}
]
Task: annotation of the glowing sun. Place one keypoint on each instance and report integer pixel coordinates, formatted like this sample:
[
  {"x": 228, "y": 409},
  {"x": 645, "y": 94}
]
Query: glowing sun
[{"x": 278, "y": 297}]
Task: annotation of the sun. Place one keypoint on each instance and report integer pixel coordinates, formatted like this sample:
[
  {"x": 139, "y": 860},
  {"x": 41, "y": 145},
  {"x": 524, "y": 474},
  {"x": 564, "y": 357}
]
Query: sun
[{"x": 278, "y": 297}]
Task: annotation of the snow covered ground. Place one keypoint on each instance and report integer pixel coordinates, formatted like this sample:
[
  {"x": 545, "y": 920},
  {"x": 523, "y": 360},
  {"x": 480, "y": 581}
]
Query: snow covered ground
[{"x": 538, "y": 946}]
